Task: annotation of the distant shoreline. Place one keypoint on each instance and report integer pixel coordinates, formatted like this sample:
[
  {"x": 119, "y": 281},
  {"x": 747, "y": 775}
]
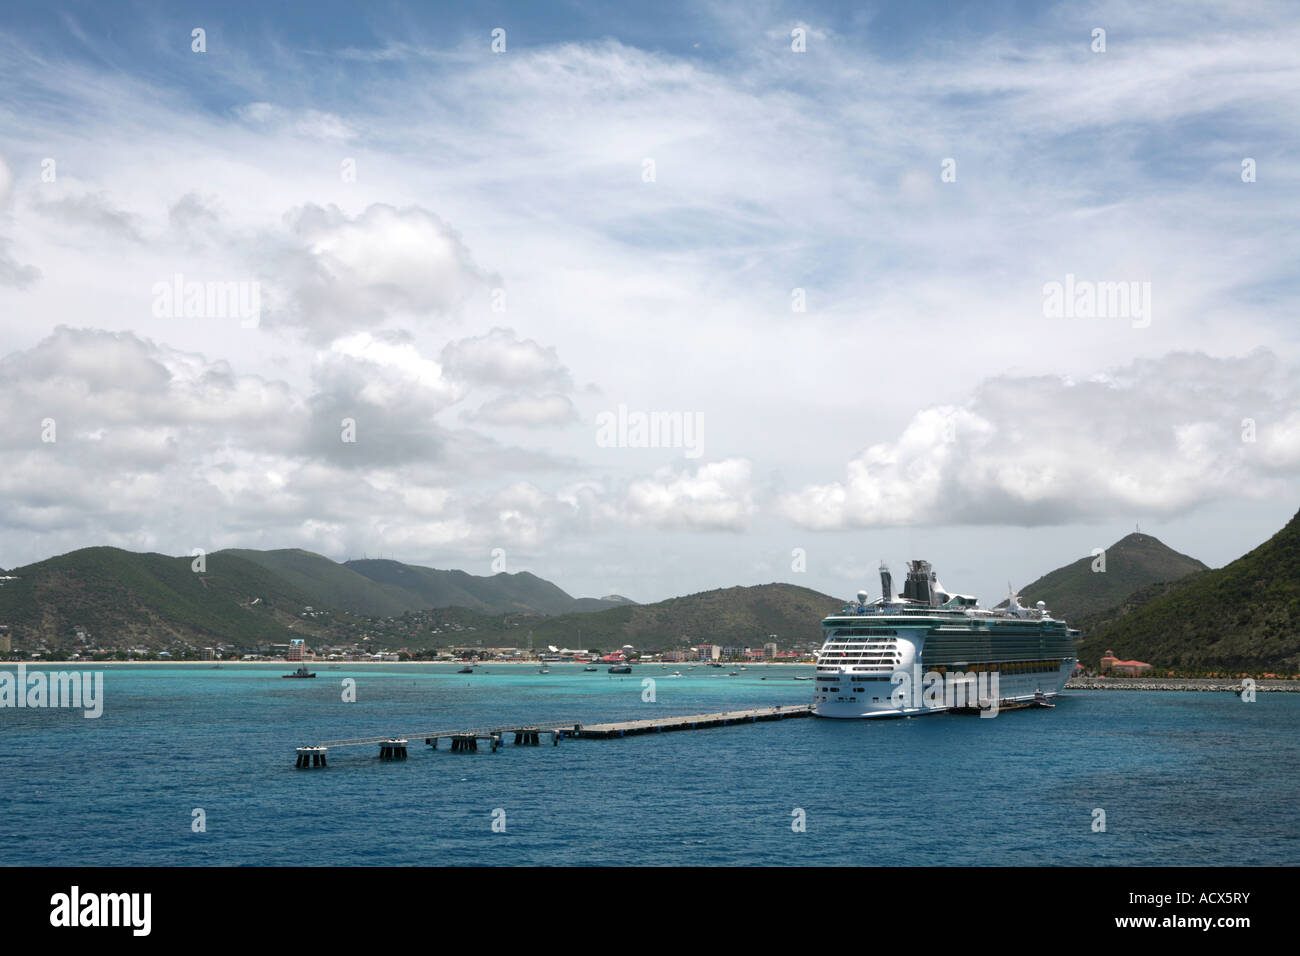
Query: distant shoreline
[{"x": 318, "y": 664}]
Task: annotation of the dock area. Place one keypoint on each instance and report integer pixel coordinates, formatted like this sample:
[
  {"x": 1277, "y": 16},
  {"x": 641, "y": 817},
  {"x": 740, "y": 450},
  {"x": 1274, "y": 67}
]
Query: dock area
[
  {"x": 394, "y": 746},
  {"x": 1002, "y": 706},
  {"x": 627, "y": 728}
]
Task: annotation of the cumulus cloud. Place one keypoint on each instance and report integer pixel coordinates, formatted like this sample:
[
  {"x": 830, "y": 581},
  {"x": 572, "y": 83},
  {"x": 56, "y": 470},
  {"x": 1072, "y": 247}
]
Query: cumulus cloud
[
  {"x": 95, "y": 384},
  {"x": 112, "y": 438},
  {"x": 715, "y": 497},
  {"x": 342, "y": 273},
  {"x": 1159, "y": 436},
  {"x": 501, "y": 358}
]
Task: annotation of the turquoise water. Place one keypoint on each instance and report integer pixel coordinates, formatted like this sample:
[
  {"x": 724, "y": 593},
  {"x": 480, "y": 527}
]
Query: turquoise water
[{"x": 1184, "y": 778}]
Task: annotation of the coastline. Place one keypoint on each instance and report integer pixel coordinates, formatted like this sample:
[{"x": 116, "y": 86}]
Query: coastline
[{"x": 325, "y": 663}]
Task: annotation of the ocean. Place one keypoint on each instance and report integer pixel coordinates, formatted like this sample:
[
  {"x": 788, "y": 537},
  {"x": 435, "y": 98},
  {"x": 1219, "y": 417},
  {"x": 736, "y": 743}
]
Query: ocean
[{"x": 1183, "y": 778}]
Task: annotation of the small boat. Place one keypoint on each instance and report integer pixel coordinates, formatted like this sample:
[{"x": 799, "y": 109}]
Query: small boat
[
  {"x": 300, "y": 672},
  {"x": 734, "y": 674},
  {"x": 1040, "y": 700},
  {"x": 673, "y": 674},
  {"x": 801, "y": 677},
  {"x": 620, "y": 669},
  {"x": 465, "y": 670},
  {"x": 591, "y": 668},
  {"x": 544, "y": 670}
]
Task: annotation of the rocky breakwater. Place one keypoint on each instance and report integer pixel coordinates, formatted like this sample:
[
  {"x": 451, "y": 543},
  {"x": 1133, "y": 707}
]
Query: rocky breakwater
[{"x": 1233, "y": 684}]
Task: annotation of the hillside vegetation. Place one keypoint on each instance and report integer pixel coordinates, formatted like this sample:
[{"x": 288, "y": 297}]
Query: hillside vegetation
[
  {"x": 1242, "y": 617},
  {"x": 1134, "y": 562}
]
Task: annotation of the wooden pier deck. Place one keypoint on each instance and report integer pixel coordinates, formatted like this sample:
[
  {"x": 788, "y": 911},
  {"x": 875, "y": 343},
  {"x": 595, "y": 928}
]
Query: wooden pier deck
[
  {"x": 394, "y": 746},
  {"x": 654, "y": 725}
]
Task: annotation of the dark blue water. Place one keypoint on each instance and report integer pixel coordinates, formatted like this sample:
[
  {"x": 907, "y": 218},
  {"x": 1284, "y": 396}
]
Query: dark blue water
[{"x": 1184, "y": 778}]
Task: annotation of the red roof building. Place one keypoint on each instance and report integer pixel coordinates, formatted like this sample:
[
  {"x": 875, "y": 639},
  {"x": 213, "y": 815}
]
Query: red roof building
[{"x": 1112, "y": 664}]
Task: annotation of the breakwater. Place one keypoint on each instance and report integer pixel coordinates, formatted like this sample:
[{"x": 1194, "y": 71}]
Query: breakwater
[{"x": 1180, "y": 683}]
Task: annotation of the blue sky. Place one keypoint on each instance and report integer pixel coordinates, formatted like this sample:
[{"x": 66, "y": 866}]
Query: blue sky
[{"x": 501, "y": 269}]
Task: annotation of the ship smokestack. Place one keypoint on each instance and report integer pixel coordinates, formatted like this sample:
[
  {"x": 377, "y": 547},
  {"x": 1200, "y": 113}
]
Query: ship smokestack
[
  {"x": 886, "y": 583},
  {"x": 917, "y": 586}
]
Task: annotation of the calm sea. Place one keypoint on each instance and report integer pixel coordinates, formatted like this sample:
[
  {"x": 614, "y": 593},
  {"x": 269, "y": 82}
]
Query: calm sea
[{"x": 1183, "y": 778}]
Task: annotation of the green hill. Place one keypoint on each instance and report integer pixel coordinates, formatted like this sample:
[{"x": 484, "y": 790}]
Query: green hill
[
  {"x": 498, "y": 594},
  {"x": 330, "y": 584},
  {"x": 382, "y": 588},
  {"x": 122, "y": 598},
  {"x": 738, "y": 616},
  {"x": 1135, "y": 561},
  {"x": 1242, "y": 617},
  {"x": 249, "y": 598}
]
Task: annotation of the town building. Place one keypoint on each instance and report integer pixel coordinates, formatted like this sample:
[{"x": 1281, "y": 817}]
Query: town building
[{"x": 1110, "y": 664}]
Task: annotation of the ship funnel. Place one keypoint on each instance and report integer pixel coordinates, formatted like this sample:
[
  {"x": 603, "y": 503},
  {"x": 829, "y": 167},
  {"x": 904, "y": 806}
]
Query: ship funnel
[
  {"x": 886, "y": 583},
  {"x": 917, "y": 587}
]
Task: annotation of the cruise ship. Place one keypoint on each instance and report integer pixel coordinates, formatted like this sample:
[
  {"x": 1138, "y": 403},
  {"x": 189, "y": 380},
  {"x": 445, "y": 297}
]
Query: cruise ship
[{"x": 927, "y": 651}]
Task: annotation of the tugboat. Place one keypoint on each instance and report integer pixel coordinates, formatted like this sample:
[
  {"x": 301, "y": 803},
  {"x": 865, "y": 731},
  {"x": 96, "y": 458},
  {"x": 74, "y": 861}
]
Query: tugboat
[{"x": 300, "y": 672}]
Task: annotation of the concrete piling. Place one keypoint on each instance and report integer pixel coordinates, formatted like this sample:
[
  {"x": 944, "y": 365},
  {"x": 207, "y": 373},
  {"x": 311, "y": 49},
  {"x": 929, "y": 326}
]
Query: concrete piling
[{"x": 311, "y": 757}]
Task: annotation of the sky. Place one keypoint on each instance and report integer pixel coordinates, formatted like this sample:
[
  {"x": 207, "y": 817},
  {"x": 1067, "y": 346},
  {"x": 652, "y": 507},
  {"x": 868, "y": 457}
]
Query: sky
[{"x": 987, "y": 284}]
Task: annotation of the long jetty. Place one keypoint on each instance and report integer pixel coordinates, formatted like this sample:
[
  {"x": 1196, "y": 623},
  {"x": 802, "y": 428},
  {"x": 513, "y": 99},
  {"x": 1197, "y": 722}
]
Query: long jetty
[{"x": 394, "y": 746}]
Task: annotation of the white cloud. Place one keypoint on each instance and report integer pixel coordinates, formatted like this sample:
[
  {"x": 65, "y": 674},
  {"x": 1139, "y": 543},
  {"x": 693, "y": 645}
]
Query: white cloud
[
  {"x": 716, "y": 496},
  {"x": 501, "y": 358},
  {"x": 1156, "y": 437},
  {"x": 348, "y": 272}
]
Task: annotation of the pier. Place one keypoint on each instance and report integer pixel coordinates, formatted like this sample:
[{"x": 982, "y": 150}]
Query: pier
[
  {"x": 394, "y": 747},
  {"x": 657, "y": 725}
]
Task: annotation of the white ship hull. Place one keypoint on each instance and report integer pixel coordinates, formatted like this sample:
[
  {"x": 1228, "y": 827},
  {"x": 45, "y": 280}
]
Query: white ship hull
[{"x": 876, "y": 699}]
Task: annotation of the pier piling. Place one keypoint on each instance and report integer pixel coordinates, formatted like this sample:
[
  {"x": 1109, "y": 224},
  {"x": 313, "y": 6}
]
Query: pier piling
[
  {"x": 311, "y": 757},
  {"x": 394, "y": 748}
]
